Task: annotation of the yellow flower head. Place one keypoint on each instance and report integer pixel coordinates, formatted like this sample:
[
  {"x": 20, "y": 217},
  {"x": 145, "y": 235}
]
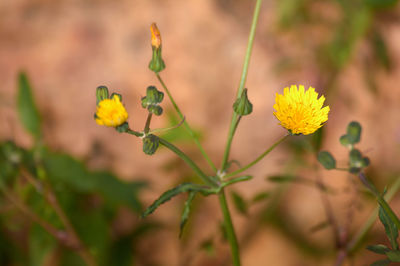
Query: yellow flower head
[
  {"x": 155, "y": 36},
  {"x": 300, "y": 111},
  {"x": 111, "y": 112}
]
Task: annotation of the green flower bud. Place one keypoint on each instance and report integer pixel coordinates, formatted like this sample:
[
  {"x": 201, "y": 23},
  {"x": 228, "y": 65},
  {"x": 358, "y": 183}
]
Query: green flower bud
[
  {"x": 122, "y": 128},
  {"x": 355, "y": 158},
  {"x": 155, "y": 109},
  {"x": 150, "y": 144},
  {"x": 157, "y": 63},
  {"x": 344, "y": 140},
  {"x": 101, "y": 94},
  {"x": 242, "y": 105},
  {"x": 354, "y": 132},
  {"x": 154, "y": 96},
  {"x": 326, "y": 159}
]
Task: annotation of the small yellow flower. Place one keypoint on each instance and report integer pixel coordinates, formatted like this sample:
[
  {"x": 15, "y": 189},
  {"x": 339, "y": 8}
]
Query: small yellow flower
[
  {"x": 300, "y": 111},
  {"x": 155, "y": 36},
  {"x": 111, "y": 112}
]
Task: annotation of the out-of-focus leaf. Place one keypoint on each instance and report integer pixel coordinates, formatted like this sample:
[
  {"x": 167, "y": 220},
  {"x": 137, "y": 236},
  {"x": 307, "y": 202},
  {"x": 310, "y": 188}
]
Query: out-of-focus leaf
[
  {"x": 69, "y": 258},
  {"x": 186, "y": 211},
  {"x": 261, "y": 196},
  {"x": 354, "y": 132},
  {"x": 167, "y": 195},
  {"x": 380, "y": 49},
  {"x": 27, "y": 110},
  {"x": 208, "y": 247},
  {"x": 394, "y": 255},
  {"x": 379, "y": 249},
  {"x": 319, "y": 226},
  {"x": 316, "y": 139},
  {"x": 180, "y": 133},
  {"x": 41, "y": 244},
  {"x": 381, "y": 263},
  {"x": 281, "y": 179},
  {"x": 391, "y": 230},
  {"x": 121, "y": 252},
  {"x": 239, "y": 203},
  {"x": 73, "y": 173},
  {"x": 381, "y": 3}
]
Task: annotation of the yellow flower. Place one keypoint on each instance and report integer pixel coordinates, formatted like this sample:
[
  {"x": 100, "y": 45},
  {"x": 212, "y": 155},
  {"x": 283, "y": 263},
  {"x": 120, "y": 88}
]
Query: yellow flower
[
  {"x": 300, "y": 111},
  {"x": 111, "y": 112},
  {"x": 155, "y": 36}
]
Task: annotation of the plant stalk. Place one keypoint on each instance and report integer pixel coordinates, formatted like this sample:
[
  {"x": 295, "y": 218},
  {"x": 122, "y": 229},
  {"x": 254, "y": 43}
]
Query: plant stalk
[{"x": 229, "y": 229}]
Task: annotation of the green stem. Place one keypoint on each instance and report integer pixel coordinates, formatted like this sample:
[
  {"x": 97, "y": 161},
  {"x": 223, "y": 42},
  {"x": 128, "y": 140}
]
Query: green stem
[
  {"x": 229, "y": 143},
  {"x": 135, "y": 133},
  {"x": 188, "y": 128},
  {"x": 148, "y": 121},
  {"x": 258, "y": 158},
  {"x": 189, "y": 162},
  {"x": 230, "y": 231},
  {"x": 243, "y": 78},
  {"x": 382, "y": 202},
  {"x": 371, "y": 220}
]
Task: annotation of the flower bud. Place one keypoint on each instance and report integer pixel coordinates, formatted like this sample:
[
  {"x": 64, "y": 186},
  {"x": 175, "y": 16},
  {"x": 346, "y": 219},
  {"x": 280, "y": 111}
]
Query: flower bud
[
  {"x": 157, "y": 63},
  {"x": 242, "y": 105},
  {"x": 101, "y": 94},
  {"x": 354, "y": 132},
  {"x": 327, "y": 160},
  {"x": 150, "y": 144},
  {"x": 155, "y": 109},
  {"x": 153, "y": 95}
]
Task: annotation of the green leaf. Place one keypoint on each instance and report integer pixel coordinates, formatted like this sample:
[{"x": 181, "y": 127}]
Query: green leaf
[
  {"x": 281, "y": 179},
  {"x": 354, "y": 132},
  {"x": 381, "y": 50},
  {"x": 381, "y": 262},
  {"x": 326, "y": 159},
  {"x": 319, "y": 226},
  {"x": 380, "y": 249},
  {"x": 208, "y": 247},
  {"x": 121, "y": 252},
  {"x": 239, "y": 203},
  {"x": 394, "y": 255},
  {"x": 186, "y": 211},
  {"x": 391, "y": 230},
  {"x": 167, "y": 195},
  {"x": 27, "y": 110},
  {"x": 261, "y": 196},
  {"x": 41, "y": 245},
  {"x": 381, "y": 3}
]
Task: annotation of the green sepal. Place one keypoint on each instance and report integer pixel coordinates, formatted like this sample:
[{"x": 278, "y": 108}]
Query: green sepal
[
  {"x": 186, "y": 211},
  {"x": 354, "y": 132},
  {"x": 150, "y": 144},
  {"x": 155, "y": 109},
  {"x": 116, "y": 94},
  {"x": 242, "y": 105},
  {"x": 167, "y": 195},
  {"x": 326, "y": 159},
  {"x": 157, "y": 63},
  {"x": 101, "y": 94},
  {"x": 122, "y": 128}
]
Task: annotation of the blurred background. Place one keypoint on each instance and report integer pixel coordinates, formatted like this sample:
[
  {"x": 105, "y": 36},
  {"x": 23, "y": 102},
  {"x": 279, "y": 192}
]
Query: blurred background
[{"x": 347, "y": 50}]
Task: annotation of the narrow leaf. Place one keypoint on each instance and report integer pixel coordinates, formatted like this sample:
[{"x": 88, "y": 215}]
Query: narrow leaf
[
  {"x": 394, "y": 255},
  {"x": 319, "y": 226},
  {"x": 186, "y": 211},
  {"x": 167, "y": 195},
  {"x": 381, "y": 262},
  {"x": 239, "y": 202},
  {"x": 390, "y": 228},
  {"x": 380, "y": 249},
  {"x": 261, "y": 196},
  {"x": 281, "y": 179},
  {"x": 27, "y": 110}
]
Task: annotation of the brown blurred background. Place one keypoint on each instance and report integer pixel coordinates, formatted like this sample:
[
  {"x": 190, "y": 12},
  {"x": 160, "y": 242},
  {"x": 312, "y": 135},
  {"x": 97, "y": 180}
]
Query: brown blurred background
[{"x": 69, "y": 47}]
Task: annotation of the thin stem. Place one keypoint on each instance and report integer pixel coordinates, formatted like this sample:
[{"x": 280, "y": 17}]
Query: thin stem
[
  {"x": 230, "y": 231},
  {"x": 258, "y": 158},
  {"x": 135, "y": 133},
  {"x": 229, "y": 143},
  {"x": 243, "y": 76},
  {"x": 188, "y": 128},
  {"x": 148, "y": 121},
  {"x": 189, "y": 162},
  {"x": 369, "y": 223},
  {"x": 382, "y": 202}
]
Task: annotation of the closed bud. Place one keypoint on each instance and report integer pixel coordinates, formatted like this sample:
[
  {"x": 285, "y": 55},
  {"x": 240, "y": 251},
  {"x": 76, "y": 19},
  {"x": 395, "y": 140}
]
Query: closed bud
[
  {"x": 157, "y": 63},
  {"x": 101, "y": 94},
  {"x": 354, "y": 132},
  {"x": 150, "y": 144},
  {"x": 326, "y": 159},
  {"x": 242, "y": 105},
  {"x": 155, "y": 109},
  {"x": 153, "y": 95}
]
